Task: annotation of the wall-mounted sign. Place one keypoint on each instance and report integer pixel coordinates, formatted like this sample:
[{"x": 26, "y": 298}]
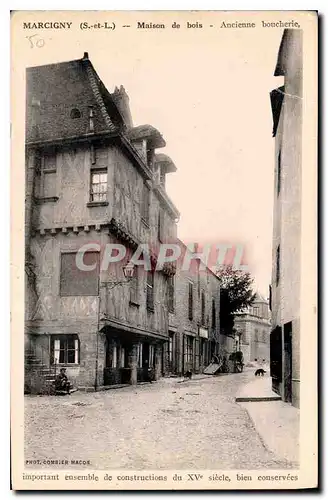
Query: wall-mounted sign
[{"x": 203, "y": 332}]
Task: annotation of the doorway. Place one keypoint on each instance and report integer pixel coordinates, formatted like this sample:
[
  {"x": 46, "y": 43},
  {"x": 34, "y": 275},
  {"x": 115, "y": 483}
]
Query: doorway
[{"x": 288, "y": 362}]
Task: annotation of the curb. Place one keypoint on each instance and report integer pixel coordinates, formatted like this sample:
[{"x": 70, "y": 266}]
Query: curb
[{"x": 254, "y": 399}]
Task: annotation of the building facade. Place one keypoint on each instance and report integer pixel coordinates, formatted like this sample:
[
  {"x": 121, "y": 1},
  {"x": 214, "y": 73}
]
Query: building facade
[
  {"x": 286, "y": 104},
  {"x": 93, "y": 181},
  {"x": 194, "y": 316},
  {"x": 253, "y": 327}
]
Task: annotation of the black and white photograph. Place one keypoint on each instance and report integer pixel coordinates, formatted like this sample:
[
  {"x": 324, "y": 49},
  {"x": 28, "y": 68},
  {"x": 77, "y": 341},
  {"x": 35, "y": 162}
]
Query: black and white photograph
[{"x": 167, "y": 205}]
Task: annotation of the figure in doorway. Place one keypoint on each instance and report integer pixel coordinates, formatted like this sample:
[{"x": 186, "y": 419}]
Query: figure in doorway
[{"x": 148, "y": 372}]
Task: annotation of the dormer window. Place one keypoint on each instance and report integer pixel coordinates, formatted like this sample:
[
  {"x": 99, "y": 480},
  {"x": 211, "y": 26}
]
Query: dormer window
[{"x": 75, "y": 113}]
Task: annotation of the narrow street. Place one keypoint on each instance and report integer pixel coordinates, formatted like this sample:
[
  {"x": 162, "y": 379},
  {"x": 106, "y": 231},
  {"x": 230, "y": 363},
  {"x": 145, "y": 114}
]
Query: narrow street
[{"x": 164, "y": 425}]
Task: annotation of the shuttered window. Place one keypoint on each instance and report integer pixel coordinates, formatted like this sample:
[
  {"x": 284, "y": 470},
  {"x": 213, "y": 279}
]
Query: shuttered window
[
  {"x": 134, "y": 287},
  {"x": 75, "y": 281},
  {"x": 160, "y": 227},
  {"x": 190, "y": 300},
  {"x": 213, "y": 314},
  {"x": 150, "y": 290},
  {"x": 203, "y": 307},
  {"x": 170, "y": 294}
]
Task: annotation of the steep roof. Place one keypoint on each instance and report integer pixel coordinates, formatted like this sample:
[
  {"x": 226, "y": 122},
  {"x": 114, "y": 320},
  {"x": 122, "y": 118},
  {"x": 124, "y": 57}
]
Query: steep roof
[{"x": 54, "y": 90}]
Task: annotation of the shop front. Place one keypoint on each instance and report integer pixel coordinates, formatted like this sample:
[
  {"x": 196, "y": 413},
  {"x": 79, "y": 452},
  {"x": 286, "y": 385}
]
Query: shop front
[{"x": 131, "y": 358}]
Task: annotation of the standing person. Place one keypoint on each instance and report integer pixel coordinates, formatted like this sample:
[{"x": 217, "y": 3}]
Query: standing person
[{"x": 148, "y": 372}]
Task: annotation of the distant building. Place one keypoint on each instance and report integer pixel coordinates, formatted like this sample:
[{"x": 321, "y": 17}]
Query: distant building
[
  {"x": 253, "y": 327},
  {"x": 286, "y": 104}
]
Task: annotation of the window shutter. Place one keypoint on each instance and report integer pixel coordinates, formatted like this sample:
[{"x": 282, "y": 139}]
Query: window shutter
[
  {"x": 134, "y": 287},
  {"x": 190, "y": 301},
  {"x": 75, "y": 281},
  {"x": 150, "y": 290}
]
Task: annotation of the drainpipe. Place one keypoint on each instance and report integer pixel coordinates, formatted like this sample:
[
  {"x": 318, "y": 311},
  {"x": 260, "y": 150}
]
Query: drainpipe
[{"x": 97, "y": 339}]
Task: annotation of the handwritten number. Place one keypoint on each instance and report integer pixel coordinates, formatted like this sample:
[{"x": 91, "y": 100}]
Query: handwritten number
[{"x": 38, "y": 42}]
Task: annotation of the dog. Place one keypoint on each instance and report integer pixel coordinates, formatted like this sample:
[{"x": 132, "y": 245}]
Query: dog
[
  {"x": 188, "y": 375},
  {"x": 260, "y": 372}
]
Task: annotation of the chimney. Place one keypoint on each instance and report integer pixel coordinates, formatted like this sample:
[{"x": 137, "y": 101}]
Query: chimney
[
  {"x": 121, "y": 100},
  {"x": 85, "y": 55}
]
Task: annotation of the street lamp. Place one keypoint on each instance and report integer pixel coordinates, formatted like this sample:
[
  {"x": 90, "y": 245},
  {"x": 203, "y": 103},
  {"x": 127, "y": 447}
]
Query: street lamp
[{"x": 128, "y": 270}]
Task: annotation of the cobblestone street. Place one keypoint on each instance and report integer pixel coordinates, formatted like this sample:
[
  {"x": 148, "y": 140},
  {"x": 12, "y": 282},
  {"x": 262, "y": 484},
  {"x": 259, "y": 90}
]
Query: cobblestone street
[{"x": 165, "y": 425}]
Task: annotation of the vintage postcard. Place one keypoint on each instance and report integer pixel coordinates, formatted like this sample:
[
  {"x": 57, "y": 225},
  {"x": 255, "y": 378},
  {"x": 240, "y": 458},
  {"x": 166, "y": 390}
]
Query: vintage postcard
[{"x": 164, "y": 196}]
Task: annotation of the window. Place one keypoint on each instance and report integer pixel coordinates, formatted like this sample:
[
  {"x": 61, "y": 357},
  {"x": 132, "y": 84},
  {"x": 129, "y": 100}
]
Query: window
[
  {"x": 47, "y": 177},
  {"x": 151, "y": 356},
  {"x": 190, "y": 300},
  {"x": 98, "y": 190},
  {"x": 122, "y": 357},
  {"x": 75, "y": 281},
  {"x": 65, "y": 349},
  {"x": 114, "y": 358},
  {"x": 170, "y": 347},
  {"x": 150, "y": 290},
  {"x": 189, "y": 352},
  {"x": 256, "y": 311},
  {"x": 111, "y": 356},
  {"x": 139, "y": 354},
  {"x": 278, "y": 265},
  {"x": 134, "y": 287},
  {"x": 145, "y": 204},
  {"x": 170, "y": 293},
  {"x": 203, "y": 307},
  {"x": 49, "y": 184},
  {"x": 213, "y": 314},
  {"x": 279, "y": 173}
]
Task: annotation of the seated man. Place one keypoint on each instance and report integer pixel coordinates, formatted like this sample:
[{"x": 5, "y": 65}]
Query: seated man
[{"x": 62, "y": 383}]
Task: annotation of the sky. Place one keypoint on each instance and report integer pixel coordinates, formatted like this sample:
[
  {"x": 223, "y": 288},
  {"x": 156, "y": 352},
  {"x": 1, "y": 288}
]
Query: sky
[{"x": 207, "y": 92}]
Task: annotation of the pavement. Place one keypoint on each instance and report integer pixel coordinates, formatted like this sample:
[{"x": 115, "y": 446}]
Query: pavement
[
  {"x": 170, "y": 424},
  {"x": 277, "y": 422},
  {"x": 259, "y": 389}
]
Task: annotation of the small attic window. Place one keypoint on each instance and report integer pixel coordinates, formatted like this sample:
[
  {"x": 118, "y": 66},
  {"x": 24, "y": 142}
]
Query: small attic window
[{"x": 75, "y": 113}]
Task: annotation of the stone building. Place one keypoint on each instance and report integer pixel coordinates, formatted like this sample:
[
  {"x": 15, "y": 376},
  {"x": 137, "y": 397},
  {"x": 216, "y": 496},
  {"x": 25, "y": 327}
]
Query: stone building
[
  {"x": 92, "y": 180},
  {"x": 194, "y": 316},
  {"x": 286, "y": 102},
  {"x": 253, "y": 327}
]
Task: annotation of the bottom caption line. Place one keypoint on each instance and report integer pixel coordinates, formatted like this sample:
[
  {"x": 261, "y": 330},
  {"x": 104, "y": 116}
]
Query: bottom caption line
[{"x": 191, "y": 477}]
